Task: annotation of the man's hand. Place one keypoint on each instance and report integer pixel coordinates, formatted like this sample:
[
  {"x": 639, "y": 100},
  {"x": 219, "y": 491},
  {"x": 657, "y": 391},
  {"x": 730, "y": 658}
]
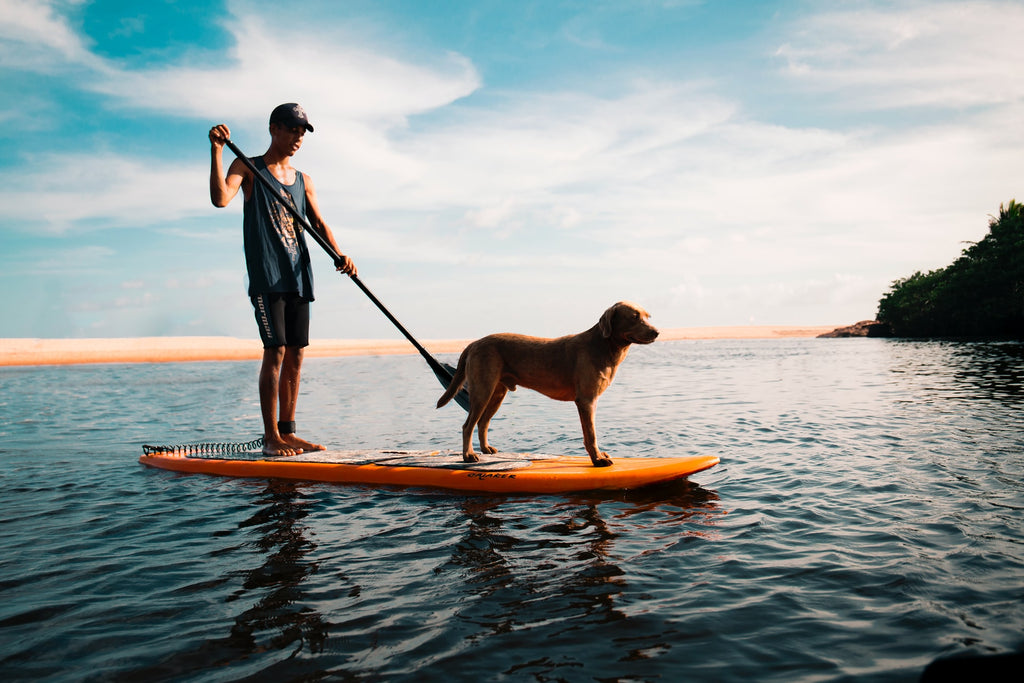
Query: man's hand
[
  {"x": 219, "y": 135},
  {"x": 345, "y": 265},
  {"x": 223, "y": 187}
]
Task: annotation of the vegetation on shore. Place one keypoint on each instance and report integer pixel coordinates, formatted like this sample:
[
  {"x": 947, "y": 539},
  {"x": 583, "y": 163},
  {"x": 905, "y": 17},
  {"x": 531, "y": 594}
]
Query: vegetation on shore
[{"x": 981, "y": 294}]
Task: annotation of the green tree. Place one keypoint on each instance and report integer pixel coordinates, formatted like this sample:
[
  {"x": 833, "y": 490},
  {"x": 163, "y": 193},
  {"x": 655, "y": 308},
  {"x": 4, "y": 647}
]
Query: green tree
[{"x": 981, "y": 294}]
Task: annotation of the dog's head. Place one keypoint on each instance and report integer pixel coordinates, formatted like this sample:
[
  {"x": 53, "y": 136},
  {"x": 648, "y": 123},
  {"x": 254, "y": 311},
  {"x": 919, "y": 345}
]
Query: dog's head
[{"x": 628, "y": 322}]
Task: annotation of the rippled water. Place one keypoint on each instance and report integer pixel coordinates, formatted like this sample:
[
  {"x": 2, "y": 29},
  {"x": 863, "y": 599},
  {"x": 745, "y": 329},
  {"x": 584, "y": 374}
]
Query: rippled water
[{"x": 865, "y": 520}]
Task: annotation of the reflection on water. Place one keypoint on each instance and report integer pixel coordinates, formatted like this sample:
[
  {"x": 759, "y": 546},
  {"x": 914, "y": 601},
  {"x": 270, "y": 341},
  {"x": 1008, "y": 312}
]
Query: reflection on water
[
  {"x": 280, "y": 613},
  {"x": 997, "y": 370},
  {"x": 547, "y": 571},
  {"x": 277, "y": 616},
  {"x": 990, "y": 372},
  {"x": 570, "y": 551},
  {"x": 865, "y": 520},
  {"x": 679, "y": 508}
]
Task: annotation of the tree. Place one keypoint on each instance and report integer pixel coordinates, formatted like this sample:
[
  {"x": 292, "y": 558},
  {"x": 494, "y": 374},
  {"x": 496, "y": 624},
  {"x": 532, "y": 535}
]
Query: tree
[{"x": 981, "y": 294}]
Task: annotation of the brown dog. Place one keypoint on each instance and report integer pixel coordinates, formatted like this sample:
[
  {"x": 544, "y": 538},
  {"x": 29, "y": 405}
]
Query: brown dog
[{"x": 578, "y": 367}]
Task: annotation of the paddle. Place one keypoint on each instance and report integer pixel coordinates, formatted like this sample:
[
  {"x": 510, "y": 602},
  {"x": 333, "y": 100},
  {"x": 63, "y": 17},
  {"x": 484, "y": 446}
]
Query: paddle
[{"x": 442, "y": 371}]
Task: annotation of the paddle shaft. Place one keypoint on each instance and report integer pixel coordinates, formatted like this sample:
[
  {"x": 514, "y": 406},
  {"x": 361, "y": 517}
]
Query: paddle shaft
[{"x": 440, "y": 370}]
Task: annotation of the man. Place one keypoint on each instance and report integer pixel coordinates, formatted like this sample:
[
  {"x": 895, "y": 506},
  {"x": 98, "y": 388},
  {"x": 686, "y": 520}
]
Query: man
[{"x": 277, "y": 261}]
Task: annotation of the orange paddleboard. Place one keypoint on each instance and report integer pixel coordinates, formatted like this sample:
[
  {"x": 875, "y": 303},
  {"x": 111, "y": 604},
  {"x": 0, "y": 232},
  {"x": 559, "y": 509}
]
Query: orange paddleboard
[{"x": 499, "y": 473}]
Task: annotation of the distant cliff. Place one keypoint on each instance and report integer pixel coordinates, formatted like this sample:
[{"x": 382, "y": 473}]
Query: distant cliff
[
  {"x": 865, "y": 328},
  {"x": 981, "y": 294}
]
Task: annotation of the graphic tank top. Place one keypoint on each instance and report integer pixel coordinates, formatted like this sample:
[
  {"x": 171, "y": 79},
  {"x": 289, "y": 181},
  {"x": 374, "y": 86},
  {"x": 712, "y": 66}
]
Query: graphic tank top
[{"x": 276, "y": 256}]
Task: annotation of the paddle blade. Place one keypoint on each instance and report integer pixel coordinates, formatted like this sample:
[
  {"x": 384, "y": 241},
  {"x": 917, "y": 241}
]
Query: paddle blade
[{"x": 445, "y": 373}]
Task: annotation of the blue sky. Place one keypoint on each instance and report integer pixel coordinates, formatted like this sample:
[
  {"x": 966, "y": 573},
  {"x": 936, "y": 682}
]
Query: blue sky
[{"x": 504, "y": 166}]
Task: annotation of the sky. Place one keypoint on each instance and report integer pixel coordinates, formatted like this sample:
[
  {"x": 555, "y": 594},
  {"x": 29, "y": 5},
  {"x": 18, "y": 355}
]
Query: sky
[{"x": 496, "y": 166}]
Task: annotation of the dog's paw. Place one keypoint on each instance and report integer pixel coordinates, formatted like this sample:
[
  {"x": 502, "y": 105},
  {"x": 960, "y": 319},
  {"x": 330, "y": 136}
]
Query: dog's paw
[
  {"x": 489, "y": 450},
  {"x": 603, "y": 461},
  {"x": 470, "y": 457}
]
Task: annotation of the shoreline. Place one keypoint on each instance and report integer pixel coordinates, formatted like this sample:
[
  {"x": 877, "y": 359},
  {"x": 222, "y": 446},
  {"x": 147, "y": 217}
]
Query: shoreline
[{"x": 32, "y": 351}]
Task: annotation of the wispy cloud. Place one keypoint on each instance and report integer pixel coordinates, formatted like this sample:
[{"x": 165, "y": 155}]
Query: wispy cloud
[
  {"x": 88, "y": 191},
  {"x": 34, "y": 36},
  {"x": 331, "y": 74},
  {"x": 919, "y": 54}
]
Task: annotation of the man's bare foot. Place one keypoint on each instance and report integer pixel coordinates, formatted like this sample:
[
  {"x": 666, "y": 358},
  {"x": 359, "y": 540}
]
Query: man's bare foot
[
  {"x": 275, "y": 448},
  {"x": 301, "y": 445}
]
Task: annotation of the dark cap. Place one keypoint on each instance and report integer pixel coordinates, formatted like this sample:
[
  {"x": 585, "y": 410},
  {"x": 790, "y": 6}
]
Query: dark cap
[{"x": 291, "y": 115}]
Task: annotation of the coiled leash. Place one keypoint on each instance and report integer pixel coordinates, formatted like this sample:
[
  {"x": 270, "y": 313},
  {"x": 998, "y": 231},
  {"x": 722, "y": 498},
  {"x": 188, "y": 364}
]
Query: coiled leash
[{"x": 205, "y": 448}]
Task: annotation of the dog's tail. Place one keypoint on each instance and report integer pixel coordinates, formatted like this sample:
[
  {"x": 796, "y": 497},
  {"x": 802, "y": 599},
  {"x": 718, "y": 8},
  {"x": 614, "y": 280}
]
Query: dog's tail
[{"x": 458, "y": 379}]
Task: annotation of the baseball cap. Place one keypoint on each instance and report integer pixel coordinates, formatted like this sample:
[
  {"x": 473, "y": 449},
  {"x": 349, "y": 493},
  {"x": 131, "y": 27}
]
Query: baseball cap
[{"x": 291, "y": 115}]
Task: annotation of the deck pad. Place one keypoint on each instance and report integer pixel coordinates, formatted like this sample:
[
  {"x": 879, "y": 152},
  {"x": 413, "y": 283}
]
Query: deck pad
[{"x": 395, "y": 458}]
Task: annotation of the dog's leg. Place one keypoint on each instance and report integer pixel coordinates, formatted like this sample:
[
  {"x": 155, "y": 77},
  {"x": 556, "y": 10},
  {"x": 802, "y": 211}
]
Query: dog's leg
[
  {"x": 467, "y": 437},
  {"x": 485, "y": 420},
  {"x": 483, "y": 382},
  {"x": 586, "y": 406},
  {"x": 475, "y": 410},
  {"x": 477, "y": 402}
]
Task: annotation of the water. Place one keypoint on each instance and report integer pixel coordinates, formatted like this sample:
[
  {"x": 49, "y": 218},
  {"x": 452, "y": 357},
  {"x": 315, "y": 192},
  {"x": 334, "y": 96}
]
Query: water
[{"x": 865, "y": 520}]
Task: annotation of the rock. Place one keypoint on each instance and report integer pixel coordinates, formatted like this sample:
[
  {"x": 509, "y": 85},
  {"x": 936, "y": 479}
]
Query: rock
[{"x": 865, "y": 328}]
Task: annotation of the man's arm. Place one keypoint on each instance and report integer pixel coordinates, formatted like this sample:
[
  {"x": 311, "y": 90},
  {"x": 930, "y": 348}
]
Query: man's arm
[
  {"x": 223, "y": 188},
  {"x": 316, "y": 220}
]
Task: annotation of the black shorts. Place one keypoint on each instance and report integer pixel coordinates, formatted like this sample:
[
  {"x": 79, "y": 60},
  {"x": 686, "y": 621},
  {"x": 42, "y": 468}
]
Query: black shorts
[{"x": 283, "y": 319}]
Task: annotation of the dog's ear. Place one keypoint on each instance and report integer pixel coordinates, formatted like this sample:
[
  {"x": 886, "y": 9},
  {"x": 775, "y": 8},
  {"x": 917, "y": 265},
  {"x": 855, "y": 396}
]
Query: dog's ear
[{"x": 605, "y": 324}]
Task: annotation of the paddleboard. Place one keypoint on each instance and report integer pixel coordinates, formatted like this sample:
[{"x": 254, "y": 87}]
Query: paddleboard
[{"x": 499, "y": 473}]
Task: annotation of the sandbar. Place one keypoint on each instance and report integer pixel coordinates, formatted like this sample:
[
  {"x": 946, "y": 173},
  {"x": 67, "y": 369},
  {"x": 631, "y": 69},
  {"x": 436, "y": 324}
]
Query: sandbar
[{"x": 31, "y": 351}]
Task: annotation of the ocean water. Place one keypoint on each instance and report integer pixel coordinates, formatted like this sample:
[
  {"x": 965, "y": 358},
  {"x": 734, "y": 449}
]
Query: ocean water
[{"x": 867, "y": 518}]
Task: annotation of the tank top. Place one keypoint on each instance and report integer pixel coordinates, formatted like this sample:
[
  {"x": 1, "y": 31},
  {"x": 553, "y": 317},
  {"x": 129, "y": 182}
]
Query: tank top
[{"x": 276, "y": 256}]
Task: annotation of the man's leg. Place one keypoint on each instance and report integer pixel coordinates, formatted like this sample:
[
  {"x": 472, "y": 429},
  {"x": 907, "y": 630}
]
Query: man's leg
[
  {"x": 270, "y": 381},
  {"x": 291, "y": 373}
]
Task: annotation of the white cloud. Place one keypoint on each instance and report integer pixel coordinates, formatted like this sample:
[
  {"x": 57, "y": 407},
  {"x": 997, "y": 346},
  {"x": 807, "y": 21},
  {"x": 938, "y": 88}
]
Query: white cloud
[
  {"x": 356, "y": 94},
  {"x": 67, "y": 192},
  {"x": 75, "y": 260},
  {"x": 935, "y": 54},
  {"x": 327, "y": 71},
  {"x": 34, "y": 36},
  {"x": 532, "y": 144}
]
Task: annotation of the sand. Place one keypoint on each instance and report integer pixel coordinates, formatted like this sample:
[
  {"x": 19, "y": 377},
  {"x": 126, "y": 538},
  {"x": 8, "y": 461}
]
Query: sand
[{"x": 180, "y": 349}]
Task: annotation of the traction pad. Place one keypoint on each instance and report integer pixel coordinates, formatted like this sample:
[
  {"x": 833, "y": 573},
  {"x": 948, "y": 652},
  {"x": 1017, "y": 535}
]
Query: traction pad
[{"x": 451, "y": 460}]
